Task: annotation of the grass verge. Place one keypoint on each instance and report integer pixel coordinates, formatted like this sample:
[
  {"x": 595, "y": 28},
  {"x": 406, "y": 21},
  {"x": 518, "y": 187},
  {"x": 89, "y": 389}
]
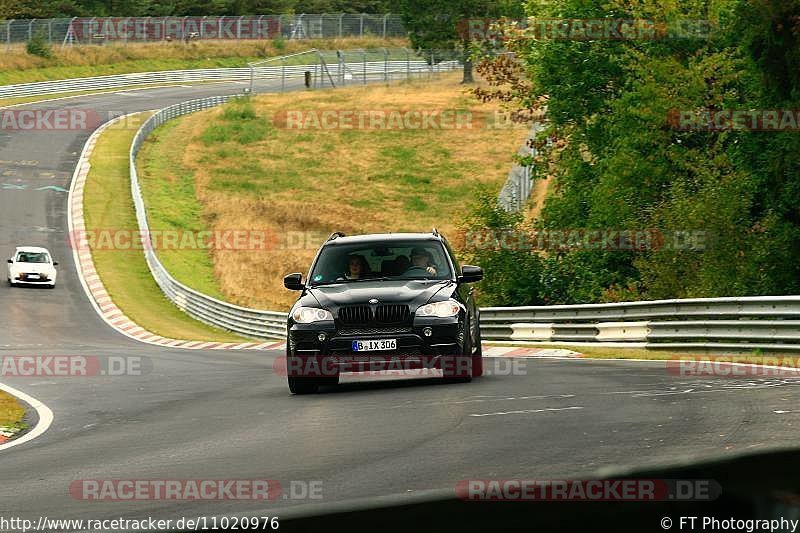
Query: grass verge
[
  {"x": 11, "y": 411},
  {"x": 238, "y": 168},
  {"x": 108, "y": 206}
]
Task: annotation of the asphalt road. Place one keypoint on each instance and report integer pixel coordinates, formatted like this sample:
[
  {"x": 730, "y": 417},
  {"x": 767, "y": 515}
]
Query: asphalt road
[{"x": 226, "y": 415}]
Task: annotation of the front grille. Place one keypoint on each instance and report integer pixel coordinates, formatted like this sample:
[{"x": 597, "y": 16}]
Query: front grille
[
  {"x": 362, "y": 315},
  {"x": 392, "y": 314},
  {"x": 373, "y": 331},
  {"x": 356, "y": 314}
]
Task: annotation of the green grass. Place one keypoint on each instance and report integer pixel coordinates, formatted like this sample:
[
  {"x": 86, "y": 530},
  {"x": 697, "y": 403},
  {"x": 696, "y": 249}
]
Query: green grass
[
  {"x": 108, "y": 206},
  {"x": 11, "y": 412}
]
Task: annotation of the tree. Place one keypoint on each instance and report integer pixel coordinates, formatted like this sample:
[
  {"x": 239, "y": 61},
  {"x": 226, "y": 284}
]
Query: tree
[{"x": 444, "y": 25}]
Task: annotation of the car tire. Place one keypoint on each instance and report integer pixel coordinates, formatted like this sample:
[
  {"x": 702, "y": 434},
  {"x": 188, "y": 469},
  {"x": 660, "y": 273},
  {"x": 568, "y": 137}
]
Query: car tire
[
  {"x": 53, "y": 286},
  {"x": 458, "y": 368},
  {"x": 477, "y": 356},
  {"x": 303, "y": 385}
]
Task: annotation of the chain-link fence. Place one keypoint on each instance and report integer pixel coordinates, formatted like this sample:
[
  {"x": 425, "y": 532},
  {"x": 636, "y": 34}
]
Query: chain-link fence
[
  {"x": 337, "y": 68},
  {"x": 121, "y": 30}
]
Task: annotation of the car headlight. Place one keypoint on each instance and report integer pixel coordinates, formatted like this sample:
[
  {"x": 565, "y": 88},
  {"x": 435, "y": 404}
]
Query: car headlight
[
  {"x": 444, "y": 309},
  {"x": 307, "y": 315}
]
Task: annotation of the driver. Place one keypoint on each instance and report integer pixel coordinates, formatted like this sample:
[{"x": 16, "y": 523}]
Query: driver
[{"x": 421, "y": 260}]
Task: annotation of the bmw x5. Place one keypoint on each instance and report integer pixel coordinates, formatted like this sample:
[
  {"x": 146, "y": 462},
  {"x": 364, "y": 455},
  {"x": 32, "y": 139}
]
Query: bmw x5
[{"x": 381, "y": 302}]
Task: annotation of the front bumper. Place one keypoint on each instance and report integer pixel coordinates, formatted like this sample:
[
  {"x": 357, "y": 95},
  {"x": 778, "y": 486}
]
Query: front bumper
[
  {"x": 29, "y": 280},
  {"x": 335, "y": 353}
]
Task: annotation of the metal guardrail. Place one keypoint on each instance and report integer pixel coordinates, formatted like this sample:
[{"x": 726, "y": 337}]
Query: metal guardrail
[
  {"x": 338, "y": 68},
  {"x": 746, "y": 323},
  {"x": 123, "y": 30},
  {"x": 371, "y": 71},
  {"x": 517, "y": 188}
]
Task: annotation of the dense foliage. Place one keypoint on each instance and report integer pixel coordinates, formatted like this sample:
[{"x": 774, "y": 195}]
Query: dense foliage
[{"x": 620, "y": 162}]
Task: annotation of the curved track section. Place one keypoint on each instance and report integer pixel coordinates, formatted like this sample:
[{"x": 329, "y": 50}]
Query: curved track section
[{"x": 226, "y": 415}]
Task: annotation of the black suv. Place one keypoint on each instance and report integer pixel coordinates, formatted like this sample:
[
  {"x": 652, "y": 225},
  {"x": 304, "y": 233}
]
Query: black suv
[{"x": 383, "y": 302}]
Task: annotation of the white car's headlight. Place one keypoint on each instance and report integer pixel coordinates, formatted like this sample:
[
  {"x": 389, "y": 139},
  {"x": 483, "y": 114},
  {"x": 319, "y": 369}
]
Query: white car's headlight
[
  {"x": 307, "y": 315},
  {"x": 444, "y": 309}
]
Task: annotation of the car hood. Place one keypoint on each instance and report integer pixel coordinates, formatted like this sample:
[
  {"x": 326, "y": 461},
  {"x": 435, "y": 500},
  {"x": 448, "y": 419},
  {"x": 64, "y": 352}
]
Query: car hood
[{"x": 411, "y": 292}]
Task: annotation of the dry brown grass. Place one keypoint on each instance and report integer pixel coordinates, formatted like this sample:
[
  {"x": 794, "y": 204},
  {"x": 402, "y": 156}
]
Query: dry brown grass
[{"x": 356, "y": 181}]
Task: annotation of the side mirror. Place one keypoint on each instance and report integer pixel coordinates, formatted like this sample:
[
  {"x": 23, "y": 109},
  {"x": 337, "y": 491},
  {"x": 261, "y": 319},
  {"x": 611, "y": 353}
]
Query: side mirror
[
  {"x": 470, "y": 274},
  {"x": 55, "y": 263},
  {"x": 294, "y": 282},
  {"x": 10, "y": 261}
]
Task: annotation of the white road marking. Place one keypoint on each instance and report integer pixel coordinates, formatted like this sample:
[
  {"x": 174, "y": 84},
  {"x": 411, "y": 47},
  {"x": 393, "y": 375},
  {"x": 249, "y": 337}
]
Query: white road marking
[
  {"x": 44, "y": 412},
  {"x": 528, "y": 411}
]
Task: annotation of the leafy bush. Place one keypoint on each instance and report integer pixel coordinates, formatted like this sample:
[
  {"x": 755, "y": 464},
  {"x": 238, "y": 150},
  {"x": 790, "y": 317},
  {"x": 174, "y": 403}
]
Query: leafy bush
[{"x": 39, "y": 46}]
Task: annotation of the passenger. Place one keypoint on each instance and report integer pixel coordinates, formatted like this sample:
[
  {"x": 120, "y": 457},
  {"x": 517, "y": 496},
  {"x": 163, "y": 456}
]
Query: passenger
[{"x": 357, "y": 267}]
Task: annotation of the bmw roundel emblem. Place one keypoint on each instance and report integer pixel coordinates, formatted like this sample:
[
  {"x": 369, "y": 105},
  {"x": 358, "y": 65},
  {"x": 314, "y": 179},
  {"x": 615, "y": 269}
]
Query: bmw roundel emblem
[{"x": 373, "y": 301}]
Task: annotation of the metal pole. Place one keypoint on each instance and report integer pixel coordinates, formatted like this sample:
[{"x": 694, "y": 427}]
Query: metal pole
[
  {"x": 203, "y": 27},
  {"x": 385, "y": 17},
  {"x": 30, "y": 29},
  {"x": 283, "y": 74},
  {"x": 50, "y": 31},
  {"x": 361, "y": 28},
  {"x": 364, "y": 57},
  {"x": 322, "y": 26},
  {"x": 8, "y": 35},
  {"x": 239, "y": 28},
  {"x": 408, "y": 64},
  {"x": 260, "y": 27},
  {"x": 340, "y": 25}
]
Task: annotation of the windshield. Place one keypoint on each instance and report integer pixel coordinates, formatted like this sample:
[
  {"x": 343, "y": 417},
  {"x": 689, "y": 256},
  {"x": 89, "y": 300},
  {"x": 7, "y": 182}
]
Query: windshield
[
  {"x": 33, "y": 257},
  {"x": 395, "y": 260}
]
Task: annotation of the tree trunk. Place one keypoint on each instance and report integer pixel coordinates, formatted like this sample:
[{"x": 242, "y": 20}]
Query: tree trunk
[{"x": 468, "y": 72}]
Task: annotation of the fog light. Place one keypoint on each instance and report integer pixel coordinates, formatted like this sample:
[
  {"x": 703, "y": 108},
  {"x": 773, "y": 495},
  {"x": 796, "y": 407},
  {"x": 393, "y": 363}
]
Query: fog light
[
  {"x": 427, "y": 332},
  {"x": 321, "y": 337}
]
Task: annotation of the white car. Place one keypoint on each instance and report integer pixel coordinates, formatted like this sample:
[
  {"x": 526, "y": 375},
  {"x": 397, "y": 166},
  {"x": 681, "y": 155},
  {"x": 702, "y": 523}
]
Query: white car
[{"x": 32, "y": 265}]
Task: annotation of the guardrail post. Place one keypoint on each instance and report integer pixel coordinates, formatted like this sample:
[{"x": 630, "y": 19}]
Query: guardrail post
[
  {"x": 408, "y": 64},
  {"x": 385, "y": 65},
  {"x": 364, "y": 62},
  {"x": 283, "y": 74}
]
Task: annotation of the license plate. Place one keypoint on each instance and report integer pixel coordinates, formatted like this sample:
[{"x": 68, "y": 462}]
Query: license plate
[
  {"x": 374, "y": 345},
  {"x": 32, "y": 276}
]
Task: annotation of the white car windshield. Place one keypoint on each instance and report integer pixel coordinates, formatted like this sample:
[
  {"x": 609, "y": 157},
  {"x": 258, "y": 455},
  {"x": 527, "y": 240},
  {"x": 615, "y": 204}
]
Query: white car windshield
[{"x": 33, "y": 257}]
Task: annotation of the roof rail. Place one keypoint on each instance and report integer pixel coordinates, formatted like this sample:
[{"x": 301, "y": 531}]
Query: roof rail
[{"x": 336, "y": 235}]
